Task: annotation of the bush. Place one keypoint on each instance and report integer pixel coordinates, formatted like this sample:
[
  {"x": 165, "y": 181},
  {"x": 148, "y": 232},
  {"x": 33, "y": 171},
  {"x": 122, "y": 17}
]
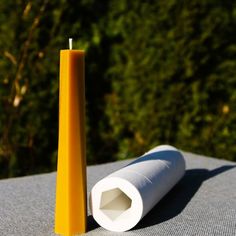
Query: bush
[
  {"x": 173, "y": 76},
  {"x": 156, "y": 72}
]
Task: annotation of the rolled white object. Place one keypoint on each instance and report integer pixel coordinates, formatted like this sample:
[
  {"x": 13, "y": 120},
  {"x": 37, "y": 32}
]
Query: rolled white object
[{"x": 120, "y": 200}]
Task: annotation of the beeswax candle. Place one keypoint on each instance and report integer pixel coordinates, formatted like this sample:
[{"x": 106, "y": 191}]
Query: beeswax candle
[{"x": 71, "y": 206}]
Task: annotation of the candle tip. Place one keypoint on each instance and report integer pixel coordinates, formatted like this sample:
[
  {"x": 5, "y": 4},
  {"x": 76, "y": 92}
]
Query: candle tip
[{"x": 70, "y": 43}]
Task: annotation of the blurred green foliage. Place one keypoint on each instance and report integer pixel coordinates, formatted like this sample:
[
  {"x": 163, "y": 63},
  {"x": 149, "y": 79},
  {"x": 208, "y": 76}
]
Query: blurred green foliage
[{"x": 156, "y": 72}]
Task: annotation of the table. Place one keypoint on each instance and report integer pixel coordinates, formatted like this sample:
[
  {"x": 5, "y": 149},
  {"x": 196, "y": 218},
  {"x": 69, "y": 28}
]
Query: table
[{"x": 202, "y": 203}]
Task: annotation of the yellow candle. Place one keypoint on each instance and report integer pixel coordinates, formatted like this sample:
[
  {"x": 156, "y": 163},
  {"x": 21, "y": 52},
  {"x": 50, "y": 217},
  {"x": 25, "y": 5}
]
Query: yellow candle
[{"x": 71, "y": 192}]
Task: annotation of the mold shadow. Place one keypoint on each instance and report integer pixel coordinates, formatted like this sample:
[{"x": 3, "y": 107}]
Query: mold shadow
[{"x": 181, "y": 194}]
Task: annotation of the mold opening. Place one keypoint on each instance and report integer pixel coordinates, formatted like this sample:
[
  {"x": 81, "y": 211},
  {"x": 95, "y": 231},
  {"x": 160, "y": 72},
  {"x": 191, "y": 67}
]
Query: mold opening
[{"x": 114, "y": 202}]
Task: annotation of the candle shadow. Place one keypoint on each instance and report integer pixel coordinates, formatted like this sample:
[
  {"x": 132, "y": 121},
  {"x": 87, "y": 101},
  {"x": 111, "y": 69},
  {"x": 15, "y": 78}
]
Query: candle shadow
[
  {"x": 178, "y": 198},
  {"x": 91, "y": 223}
]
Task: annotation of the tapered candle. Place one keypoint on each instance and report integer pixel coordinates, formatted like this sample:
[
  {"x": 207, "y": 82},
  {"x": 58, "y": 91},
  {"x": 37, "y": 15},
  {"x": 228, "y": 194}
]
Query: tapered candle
[{"x": 71, "y": 206}]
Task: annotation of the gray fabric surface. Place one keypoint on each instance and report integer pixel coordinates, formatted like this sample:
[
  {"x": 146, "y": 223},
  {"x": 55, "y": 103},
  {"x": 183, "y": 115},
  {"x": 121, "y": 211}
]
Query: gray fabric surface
[{"x": 202, "y": 203}]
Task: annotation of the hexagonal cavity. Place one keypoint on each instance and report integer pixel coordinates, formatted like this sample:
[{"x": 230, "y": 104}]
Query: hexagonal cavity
[{"x": 114, "y": 202}]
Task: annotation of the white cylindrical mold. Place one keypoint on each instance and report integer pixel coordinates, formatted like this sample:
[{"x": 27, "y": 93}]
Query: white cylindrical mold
[{"x": 120, "y": 200}]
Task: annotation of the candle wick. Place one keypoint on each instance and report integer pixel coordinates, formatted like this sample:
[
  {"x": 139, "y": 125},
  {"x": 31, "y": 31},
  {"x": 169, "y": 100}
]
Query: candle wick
[{"x": 70, "y": 43}]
